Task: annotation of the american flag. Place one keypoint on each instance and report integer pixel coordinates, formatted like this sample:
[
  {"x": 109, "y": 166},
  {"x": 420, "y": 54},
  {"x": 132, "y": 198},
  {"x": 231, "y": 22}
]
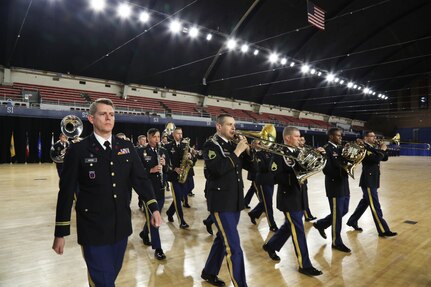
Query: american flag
[{"x": 316, "y": 16}]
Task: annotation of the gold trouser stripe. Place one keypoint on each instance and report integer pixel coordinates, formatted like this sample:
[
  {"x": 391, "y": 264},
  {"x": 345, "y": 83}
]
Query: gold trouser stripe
[
  {"x": 295, "y": 239},
  {"x": 147, "y": 215},
  {"x": 306, "y": 214},
  {"x": 373, "y": 209},
  {"x": 174, "y": 195},
  {"x": 334, "y": 216},
  {"x": 264, "y": 204},
  {"x": 228, "y": 251},
  {"x": 151, "y": 201},
  {"x": 90, "y": 281},
  {"x": 62, "y": 223}
]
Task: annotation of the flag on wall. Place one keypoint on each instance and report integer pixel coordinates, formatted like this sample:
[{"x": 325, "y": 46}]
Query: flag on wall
[
  {"x": 12, "y": 147},
  {"x": 27, "y": 147},
  {"x": 39, "y": 148},
  {"x": 316, "y": 16}
]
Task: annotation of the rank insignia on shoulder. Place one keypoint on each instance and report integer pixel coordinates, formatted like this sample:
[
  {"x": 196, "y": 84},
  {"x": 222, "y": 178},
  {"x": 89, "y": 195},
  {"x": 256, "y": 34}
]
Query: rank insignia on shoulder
[
  {"x": 274, "y": 166},
  {"x": 211, "y": 154},
  {"x": 123, "y": 151},
  {"x": 92, "y": 174}
]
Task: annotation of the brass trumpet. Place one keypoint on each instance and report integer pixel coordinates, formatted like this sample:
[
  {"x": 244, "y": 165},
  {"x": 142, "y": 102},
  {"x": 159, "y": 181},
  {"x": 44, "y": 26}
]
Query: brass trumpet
[{"x": 396, "y": 140}]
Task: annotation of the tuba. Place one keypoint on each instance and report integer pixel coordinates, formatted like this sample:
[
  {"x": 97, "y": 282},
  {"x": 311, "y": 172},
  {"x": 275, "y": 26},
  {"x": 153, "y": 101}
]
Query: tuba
[
  {"x": 71, "y": 126},
  {"x": 353, "y": 153},
  {"x": 186, "y": 164}
]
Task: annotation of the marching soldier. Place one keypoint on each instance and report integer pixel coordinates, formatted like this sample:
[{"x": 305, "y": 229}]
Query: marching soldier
[
  {"x": 369, "y": 183},
  {"x": 225, "y": 200},
  {"x": 307, "y": 212},
  {"x": 290, "y": 201},
  {"x": 176, "y": 151},
  {"x": 154, "y": 159},
  {"x": 337, "y": 190},
  {"x": 60, "y": 147},
  {"x": 105, "y": 169}
]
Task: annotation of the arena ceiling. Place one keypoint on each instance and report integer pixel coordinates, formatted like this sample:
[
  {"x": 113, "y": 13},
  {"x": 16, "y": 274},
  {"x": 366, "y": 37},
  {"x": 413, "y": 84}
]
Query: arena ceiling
[{"x": 382, "y": 45}]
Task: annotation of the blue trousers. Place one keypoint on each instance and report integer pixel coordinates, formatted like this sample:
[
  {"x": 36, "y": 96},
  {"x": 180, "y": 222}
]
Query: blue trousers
[
  {"x": 265, "y": 193},
  {"x": 293, "y": 226},
  {"x": 154, "y": 232},
  {"x": 227, "y": 243},
  {"x": 249, "y": 195},
  {"x": 339, "y": 207},
  {"x": 104, "y": 263},
  {"x": 179, "y": 190},
  {"x": 370, "y": 198}
]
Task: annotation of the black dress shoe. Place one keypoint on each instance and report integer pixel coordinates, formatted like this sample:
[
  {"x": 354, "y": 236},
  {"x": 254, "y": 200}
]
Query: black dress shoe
[
  {"x": 310, "y": 271},
  {"x": 342, "y": 248},
  {"x": 273, "y": 228},
  {"x": 145, "y": 238},
  {"x": 140, "y": 204},
  {"x": 355, "y": 226},
  {"x": 271, "y": 253},
  {"x": 170, "y": 218},
  {"x": 212, "y": 279},
  {"x": 208, "y": 226},
  {"x": 252, "y": 218},
  {"x": 321, "y": 230},
  {"x": 159, "y": 255},
  {"x": 184, "y": 225},
  {"x": 186, "y": 205},
  {"x": 388, "y": 234},
  {"x": 308, "y": 219},
  {"x": 191, "y": 194}
]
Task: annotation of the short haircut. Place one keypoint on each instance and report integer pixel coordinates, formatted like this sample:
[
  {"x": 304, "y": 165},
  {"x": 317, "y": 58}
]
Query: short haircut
[
  {"x": 289, "y": 130},
  {"x": 332, "y": 131},
  {"x": 141, "y": 136},
  {"x": 178, "y": 128},
  {"x": 366, "y": 133},
  {"x": 120, "y": 135},
  {"x": 152, "y": 132},
  {"x": 221, "y": 117},
  {"x": 93, "y": 106}
]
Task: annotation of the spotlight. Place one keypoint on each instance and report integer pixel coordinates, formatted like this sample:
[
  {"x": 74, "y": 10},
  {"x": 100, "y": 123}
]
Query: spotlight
[
  {"x": 366, "y": 90},
  {"x": 194, "y": 32},
  {"x": 256, "y": 52},
  {"x": 97, "y": 5},
  {"x": 175, "y": 26},
  {"x": 273, "y": 58},
  {"x": 350, "y": 85},
  {"x": 359, "y": 88},
  {"x": 144, "y": 17},
  {"x": 313, "y": 71},
  {"x": 355, "y": 86},
  {"x": 305, "y": 69},
  {"x": 244, "y": 48},
  {"x": 336, "y": 79},
  {"x": 341, "y": 82},
  {"x": 283, "y": 61},
  {"x": 330, "y": 77},
  {"x": 292, "y": 64},
  {"x": 374, "y": 93},
  {"x": 231, "y": 44},
  {"x": 209, "y": 37},
  {"x": 319, "y": 74},
  {"x": 124, "y": 10}
]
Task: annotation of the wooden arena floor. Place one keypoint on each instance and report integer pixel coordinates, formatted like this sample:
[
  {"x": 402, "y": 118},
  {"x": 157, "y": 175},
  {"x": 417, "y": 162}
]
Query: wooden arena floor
[{"x": 27, "y": 210}]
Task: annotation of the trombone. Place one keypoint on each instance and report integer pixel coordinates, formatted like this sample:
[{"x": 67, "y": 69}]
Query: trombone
[
  {"x": 396, "y": 140},
  {"x": 310, "y": 160}
]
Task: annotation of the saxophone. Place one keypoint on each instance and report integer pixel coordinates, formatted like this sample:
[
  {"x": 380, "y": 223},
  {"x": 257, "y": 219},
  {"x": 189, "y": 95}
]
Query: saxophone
[{"x": 186, "y": 164}]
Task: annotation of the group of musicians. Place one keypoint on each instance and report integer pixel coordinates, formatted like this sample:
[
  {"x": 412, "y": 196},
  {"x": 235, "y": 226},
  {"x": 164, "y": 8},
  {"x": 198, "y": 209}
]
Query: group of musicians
[{"x": 104, "y": 168}]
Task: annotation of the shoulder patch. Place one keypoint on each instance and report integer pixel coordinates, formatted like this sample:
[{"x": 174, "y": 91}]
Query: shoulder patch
[
  {"x": 274, "y": 166},
  {"x": 211, "y": 154}
]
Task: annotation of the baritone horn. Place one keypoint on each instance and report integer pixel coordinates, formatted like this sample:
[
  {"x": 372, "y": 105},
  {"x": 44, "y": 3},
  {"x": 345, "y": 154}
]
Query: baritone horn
[
  {"x": 71, "y": 126},
  {"x": 396, "y": 140},
  {"x": 309, "y": 160}
]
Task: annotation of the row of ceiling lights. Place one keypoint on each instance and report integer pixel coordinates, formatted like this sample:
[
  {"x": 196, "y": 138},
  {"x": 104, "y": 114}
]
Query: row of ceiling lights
[{"x": 124, "y": 11}]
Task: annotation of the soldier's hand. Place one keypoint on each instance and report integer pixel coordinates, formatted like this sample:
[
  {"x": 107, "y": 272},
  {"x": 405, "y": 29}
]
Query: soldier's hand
[
  {"x": 162, "y": 161},
  {"x": 241, "y": 146},
  {"x": 156, "y": 219},
  {"x": 321, "y": 150},
  {"x": 58, "y": 245},
  {"x": 177, "y": 170},
  {"x": 383, "y": 146}
]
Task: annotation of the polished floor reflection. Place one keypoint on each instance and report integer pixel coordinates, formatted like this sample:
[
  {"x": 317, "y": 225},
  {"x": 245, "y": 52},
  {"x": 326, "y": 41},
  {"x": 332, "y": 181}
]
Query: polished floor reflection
[{"x": 27, "y": 210}]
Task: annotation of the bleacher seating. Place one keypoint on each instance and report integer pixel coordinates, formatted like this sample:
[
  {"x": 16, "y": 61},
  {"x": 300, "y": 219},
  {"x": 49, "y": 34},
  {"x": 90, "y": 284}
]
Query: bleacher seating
[
  {"x": 56, "y": 95},
  {"x": 10, "y": 92},
  {"x": 181, "y": 108}
]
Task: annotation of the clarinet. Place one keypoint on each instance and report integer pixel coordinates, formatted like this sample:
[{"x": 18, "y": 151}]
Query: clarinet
[{"x": 158, "y": 162}]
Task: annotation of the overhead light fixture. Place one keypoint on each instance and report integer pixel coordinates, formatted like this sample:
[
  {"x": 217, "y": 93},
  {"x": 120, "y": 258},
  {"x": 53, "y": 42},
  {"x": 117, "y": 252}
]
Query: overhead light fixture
[
  {"x": 244, "y": 48},
  {"x": 305, "y": 69},
  {"x": 341, "y": 82},
  {"x": 256, "y": 52},
  {"x": 175, "y": 26},
  {"x": 292, "y": 64},
  {"x": 97, "y": 5},
  {"x": 330, "y": 77},
  {"x": 313, "y": 71},
  {"x": 209, "y": 37},
  {"x": 144, "y": 17},
  {"x": 336, "y": 79},
  {"x": 350, "y": 84},
  {"x": 355, "y": 86},
  {"x": 366, "y": 90},
  {"x": 273, "y": 58},
  {"x": 319, "y": 73},
  {"x": 231, "y": 44},
  {"x": 283, "y": 61},
  {"x": 124, "y": 10},
  {"x": 193, "y": 32}
]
